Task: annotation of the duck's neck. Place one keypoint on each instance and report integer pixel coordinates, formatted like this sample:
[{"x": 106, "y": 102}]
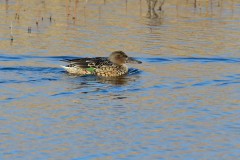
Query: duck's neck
[{"x": 125, "y": 67}]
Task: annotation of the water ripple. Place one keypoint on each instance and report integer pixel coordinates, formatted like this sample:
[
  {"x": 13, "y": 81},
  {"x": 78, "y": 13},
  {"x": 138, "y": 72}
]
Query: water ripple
[
  {"x": 32, "y": 69},
  {"x": 192, "y": 59}
]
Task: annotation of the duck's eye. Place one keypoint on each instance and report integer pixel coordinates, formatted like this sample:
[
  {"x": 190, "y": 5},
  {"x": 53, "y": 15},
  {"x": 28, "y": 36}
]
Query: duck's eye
[{"x": 118, "y": 56}]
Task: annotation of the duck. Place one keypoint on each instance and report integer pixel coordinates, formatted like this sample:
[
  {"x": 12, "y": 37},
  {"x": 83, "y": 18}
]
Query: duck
[{"x": 112, "y": 66}]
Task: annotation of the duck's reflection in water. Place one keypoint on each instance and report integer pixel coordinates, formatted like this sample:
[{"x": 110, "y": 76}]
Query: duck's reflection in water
[
  {"x": 123, "y": 80},
  {"x": 90, "y": 83}
]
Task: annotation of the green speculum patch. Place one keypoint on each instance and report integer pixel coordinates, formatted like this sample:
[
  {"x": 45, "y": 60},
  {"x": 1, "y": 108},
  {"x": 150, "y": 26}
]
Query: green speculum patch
[{"x": 91, "y": 69}]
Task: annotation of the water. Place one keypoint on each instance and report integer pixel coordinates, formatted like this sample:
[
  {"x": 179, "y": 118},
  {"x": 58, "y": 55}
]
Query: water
[{"x": 181, "y": 103}]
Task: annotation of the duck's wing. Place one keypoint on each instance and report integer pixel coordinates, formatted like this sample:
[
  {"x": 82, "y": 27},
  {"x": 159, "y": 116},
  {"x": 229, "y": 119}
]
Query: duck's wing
[{"x": 87, "y": 62}]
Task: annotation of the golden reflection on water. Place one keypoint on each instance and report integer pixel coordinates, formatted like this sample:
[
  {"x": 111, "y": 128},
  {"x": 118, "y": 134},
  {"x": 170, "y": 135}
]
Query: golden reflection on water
[{"x": 110, "y": 28}]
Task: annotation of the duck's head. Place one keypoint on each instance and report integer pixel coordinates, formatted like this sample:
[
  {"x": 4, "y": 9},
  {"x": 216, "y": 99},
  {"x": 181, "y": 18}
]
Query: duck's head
[{"x": 120, "y": 58}]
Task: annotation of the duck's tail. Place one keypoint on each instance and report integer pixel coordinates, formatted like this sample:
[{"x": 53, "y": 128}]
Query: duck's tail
[
  {"x": 72, "y": 70},
  {"x": 65, "y": 67}
]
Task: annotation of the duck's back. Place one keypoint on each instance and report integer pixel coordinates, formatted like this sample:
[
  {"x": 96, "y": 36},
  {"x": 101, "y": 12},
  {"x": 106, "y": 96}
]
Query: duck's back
[{"x": 100, "y": 66}]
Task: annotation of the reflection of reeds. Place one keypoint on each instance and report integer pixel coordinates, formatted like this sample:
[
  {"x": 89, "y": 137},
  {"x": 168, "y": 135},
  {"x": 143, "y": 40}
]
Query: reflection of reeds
[
  {"x": 99, "y": 12},
  {"x": 161, "y": 4},
  {"x": 75, "y": 10},
  {"x": 195, "y": 3},
  {"x": 11, "y": 35},
  {"x": 17, "y": 16},
  {"x": 126, "y": 6},
  {"x": 29, "y": 29},
  {"x": 209, "y": 7},
  {"x": 151, "y": 8}
]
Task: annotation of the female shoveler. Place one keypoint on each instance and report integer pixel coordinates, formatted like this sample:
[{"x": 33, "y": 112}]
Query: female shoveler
[{"x": 112, "y": 66}]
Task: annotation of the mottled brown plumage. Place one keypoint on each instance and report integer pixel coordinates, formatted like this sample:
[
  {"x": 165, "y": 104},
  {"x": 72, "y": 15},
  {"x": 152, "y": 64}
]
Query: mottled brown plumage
[{"x": 112, "y": 66}]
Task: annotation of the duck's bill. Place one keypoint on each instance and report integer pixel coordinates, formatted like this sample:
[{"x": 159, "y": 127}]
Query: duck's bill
[{"x": 133, "y": 60}]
